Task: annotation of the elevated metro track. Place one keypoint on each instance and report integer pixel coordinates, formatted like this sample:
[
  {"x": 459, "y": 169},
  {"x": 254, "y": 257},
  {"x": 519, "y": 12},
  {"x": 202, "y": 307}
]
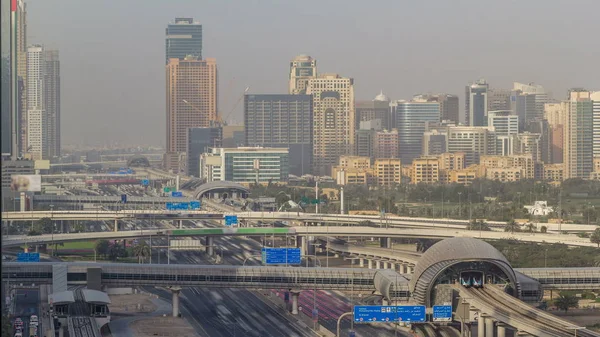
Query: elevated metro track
[
  {"x": 341, "y": 231},
  {"x": 495, "y": 303},
  {"x": 307, "y": 218}
]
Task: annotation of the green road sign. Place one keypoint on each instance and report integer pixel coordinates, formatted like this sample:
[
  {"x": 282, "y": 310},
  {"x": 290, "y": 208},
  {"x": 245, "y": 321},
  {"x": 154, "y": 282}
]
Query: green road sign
[{"x": 167, "y": 189}]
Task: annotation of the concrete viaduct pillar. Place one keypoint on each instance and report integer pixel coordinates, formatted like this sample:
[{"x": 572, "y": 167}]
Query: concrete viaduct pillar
[
  {"x": 361, "y": 262},
  {"x": 410, "y": 269},
  {"x": 385, "y": 242},
  {"x": 210, "y": 245},
  {"x": 501, "y": 332},
  {"x": 370, "y": 263},
  {"x": 481, "y": 326},
  {"x": 377, "y": 264},
  {"x": 116, "y": 225},
  {"x": 175, "y": 291},
  {"x": 295, "y": 295}
]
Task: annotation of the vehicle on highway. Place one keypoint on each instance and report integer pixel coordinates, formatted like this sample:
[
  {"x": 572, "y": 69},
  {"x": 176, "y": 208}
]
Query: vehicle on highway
[
  {"x": 33, "y": 320},
  {"x": 18, "y": 322},
  {"x": 18, "y": 334}
]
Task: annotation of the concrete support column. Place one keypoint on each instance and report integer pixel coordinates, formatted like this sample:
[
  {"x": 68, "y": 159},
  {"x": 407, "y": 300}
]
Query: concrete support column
[
  {"x": 393, "y": 266},
  {"x": 175, "y": 291},
  {"x": 377, "y": 264},
  {"x": 295, "y": 295},
  {"x": 385, "y": 242},
  {"x": 311, "y": 249},
  {"x": 402, "y": 268},
  {"x": 180, "y": 224},
  {"x": 61, "y": 331},
  {"x": 370, "y": 263},
  {"x": 361, "y": 262},
  {"x": 385, "y": 265},
  {"x": 385, "y": 302},
  {"x": 501, "y": 331},
  {"x": 116, "y": 225},
  {"x": 489, "y": 327},
  {"x": 481, "y": 326},
  {"x": 410, "y": 269},
  {"x": 210, "y": 248}
]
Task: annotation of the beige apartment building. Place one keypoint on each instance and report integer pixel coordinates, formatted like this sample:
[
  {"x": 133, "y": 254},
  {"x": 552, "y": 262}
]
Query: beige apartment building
[
  {"x": 191, "y": 101},
  {"x": 425, "y": 170},
  {"x": 388, "y": 171},
  {"x": 333, "y": 120},
  {"x": 578, "y": 135}
]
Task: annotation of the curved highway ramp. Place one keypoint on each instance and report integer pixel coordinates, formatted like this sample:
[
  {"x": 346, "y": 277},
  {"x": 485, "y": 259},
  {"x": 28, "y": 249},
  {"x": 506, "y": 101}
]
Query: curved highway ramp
[{"x": 494, "y": 302}]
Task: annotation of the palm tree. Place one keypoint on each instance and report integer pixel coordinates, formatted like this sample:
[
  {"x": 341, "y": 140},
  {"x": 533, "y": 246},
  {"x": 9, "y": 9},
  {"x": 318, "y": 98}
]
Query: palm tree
[
  {"x": 512, "y": 226},
  {"x": 595, "y": 237},
  {"x": 141, "y": 251},
  {"x": 564, "y": 302}
]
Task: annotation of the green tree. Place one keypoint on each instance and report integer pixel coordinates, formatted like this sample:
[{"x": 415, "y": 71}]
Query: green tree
[
  {"x": 141, "y": 251},
  {"x": 102, "y": 247},
  {"x": 116, "y": 251},
  {"x": 543, "y": 229},
  {"x": 34, "y": 232},
  {"x": 564, "y": 302},
  {"x": 595, "y": 237},
  {"x": 512, "y": 226},
  {"x": 79, "y": 228},
  {"x": 44, "y": 225}
]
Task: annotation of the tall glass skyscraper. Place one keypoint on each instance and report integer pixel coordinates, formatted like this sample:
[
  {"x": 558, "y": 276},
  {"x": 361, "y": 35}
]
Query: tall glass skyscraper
[
  {"x": 5, "y": 71},
  {"x": 476, "y": 103},
  {"x": 183, "y": 38},
  {"x": 411, "y": 117}
]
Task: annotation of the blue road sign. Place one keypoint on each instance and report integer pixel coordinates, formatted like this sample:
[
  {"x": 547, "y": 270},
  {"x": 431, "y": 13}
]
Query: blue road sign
[
  {"x": 194, "y": 205},
  {"x": 28, "y": 257},
  {"x": 281, "y": 256},
  {"x": 442, "y": 313},
  {"x": 176, "y": 194},
  {"x": 124, "y": 198},
  {"x": 399, "y": 313},
  {"x": 178, "y": 206},
  {"x": 231, "y": 220},
  {"x": 351, "y": 334},
  {"x": 145, "y": 182}
]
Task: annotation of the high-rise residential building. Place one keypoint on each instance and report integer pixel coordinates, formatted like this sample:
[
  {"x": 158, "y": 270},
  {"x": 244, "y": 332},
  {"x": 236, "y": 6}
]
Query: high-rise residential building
[
  {"x": 281, "y": 121},
  {"x": 435, "y": 142},
  {"x": 411, "y": 119},
  {"x": 386, "y": 144},
  {"x": 19, "y": 87},
  {"x": 37, "y": 122},
  {"x": 365, "y": 138},
  {"x": 542, "y": 127},
  {"x": 557, "y": 143},
  {"x": 528, "y": 143},
  {"x": 541, "y": 95},
  {"x": 474, "y": 141},
  {"x": 183, "y": 38},
  {"x": 5, "y": 97},
  {"x": 595, "y": 96},
  {"x": 555, "y": 114},
  {"x": 448, "y": 105},
  {"x": 476, "y": 103},
  {"x": 378, "y": 108},
  {"x": 246, "y": 165},
  {"x": 333, "y": 120},
  {"x": 302, "y": 69},
  {"x": 52, "y": 101},
  {"x": 498, "y": 99},
  {"x": 199, "y": 141},
  {"x": 524, "y": 106},
  {"x": 578, "y": 135},
  {"x": 191, "y": 101},
  {"x": 425, "y": 170}
]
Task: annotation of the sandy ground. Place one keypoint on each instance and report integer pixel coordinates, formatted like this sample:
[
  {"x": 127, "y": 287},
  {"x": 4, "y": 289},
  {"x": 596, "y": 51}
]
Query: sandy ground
[
  {"x": 132, "y": 303},
  {"x": 579, "y": 316},
  {"x": 162, "y": 327}
]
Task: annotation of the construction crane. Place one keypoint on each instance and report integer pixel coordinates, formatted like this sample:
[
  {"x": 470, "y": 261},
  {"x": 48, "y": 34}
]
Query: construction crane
[{"x": 219, "y": 120}]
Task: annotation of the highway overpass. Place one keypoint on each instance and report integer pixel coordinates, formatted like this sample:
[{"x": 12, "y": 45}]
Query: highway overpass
[{"x": 306, "y": 218}]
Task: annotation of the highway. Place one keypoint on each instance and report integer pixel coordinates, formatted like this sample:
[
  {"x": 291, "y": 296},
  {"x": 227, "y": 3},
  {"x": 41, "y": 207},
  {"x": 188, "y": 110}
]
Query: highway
[
  {"x": 343, "y": 231},
  {"x": 27, "y": 302}
]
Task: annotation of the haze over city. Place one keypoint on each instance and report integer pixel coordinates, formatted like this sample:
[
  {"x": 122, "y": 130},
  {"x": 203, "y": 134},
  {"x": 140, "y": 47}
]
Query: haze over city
[{"x": 112, "y": 53}]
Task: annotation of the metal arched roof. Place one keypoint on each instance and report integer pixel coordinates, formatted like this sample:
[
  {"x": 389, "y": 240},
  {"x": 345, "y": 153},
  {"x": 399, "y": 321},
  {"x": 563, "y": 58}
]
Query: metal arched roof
[
  {"x": 217, "y": 185},
  {"x": 63, "y": 297},
  {"x": 449, "y": 252},
  {"x": 138, "y": 161},
  {"x": 95, "y": 296}
]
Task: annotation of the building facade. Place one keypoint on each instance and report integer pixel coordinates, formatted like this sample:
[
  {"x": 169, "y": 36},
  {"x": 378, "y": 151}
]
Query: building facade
[
  {"x": 246, "y": 165},
  {"x": 388, "y": 171},
  {"x": 37, "y": 122},
  {"x": 281, "y": 121},
  {"x": 5, "y": 96},
  {"x": 411, "y": 119},
  {"x": 524, "y": 106},
  {"x": 472, "y": 141},
  {"x": 199, "y": 141},
  {"x": 302, "y": 69},
  {"x": 498, "y": 99},
  {"x": 191, "y": 100},
  {"x": 425, "y": 170},
  {"x": 386, "y": 144},
  {"x": 476, "y": 103},
  {"x": 377, "y": 109},
  {"x": 595, "y": 97},
  {"x": 52, "y": 101},
  {"x": 578, "y": 135},
  {"x": 333, "y": 120},
  {"x": 183, "y": 38}
]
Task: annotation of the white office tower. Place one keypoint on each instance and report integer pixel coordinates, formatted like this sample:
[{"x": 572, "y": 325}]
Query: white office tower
[
  {"x": 578, "y": 143},
  {"x": 302, "y": 69},
  {"x": 36, "y": 114}
]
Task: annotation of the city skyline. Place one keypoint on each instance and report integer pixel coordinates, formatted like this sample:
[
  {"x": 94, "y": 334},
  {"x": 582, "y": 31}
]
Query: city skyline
[{"x": 136, "y": 99}]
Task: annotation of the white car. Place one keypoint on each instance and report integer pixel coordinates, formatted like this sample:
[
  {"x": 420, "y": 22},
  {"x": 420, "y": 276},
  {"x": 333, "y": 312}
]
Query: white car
[{"x": 33, "y": 320}]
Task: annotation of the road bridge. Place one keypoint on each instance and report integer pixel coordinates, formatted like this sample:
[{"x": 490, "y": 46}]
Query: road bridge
[
  {"x": 298, "y": 217},
  {"x": 339, "y": 231}
]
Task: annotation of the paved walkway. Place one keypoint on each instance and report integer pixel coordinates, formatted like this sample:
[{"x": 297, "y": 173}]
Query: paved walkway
[{"x": 120, "y": 327}]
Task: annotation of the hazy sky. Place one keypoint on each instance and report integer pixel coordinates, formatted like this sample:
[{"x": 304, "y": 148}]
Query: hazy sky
[{"x": 112, "y": 52}]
